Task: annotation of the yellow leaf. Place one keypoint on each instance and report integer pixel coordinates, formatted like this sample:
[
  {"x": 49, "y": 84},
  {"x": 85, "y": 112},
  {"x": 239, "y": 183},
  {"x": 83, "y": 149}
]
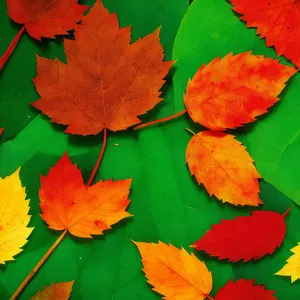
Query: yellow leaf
[
  {"x": 292, "y": 266},
  {"x": 14, "y": 217},
  {"x": 56, "y": 291},
  {"x": 174, "y": 273}
]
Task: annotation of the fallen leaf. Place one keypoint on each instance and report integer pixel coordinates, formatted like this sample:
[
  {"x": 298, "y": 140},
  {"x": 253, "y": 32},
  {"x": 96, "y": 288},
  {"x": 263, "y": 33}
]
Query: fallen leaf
[
  {"x": 56, "y": 291},
  {"x": 67, "y": 204},
  {"x": 233, "y": 91},
  {"x": 292, "y": 266},
  {"x": 245, "y": 237},
  {"x": 174, "y": 273},
  {"x": 42, "y": 18},
  {"x": 14, "y": 217},
  {"x": 244, "y": 290},
  {"x": 107, "y": 82},
  {"x": 224, "y": 167},
  {"x": 277, "y": 21}
]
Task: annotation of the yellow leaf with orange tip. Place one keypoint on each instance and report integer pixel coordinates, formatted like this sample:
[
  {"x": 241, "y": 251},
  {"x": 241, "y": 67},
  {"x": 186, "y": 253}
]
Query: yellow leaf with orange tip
[
  {"x": 174, "y": 273},
  {"x": 224, "y": 167},
  {"x": 67, "y": 203},
  {"x": 292, "y": 266},
  {"x": 14, "y": 217},
  {"x": 56, "y": 291}
]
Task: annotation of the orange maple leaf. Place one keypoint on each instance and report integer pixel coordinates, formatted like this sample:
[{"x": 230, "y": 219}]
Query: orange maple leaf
[
  {"x": 67, "y": 203},
  {"x": 107, "y": 82},
  {"x": 44, "y": 18},
  {"x": 278, "y": 21},
  {"x": 231, "y": 92},
  {"x": 224, "y": 167},
  {"x": 174, "y": 273}
]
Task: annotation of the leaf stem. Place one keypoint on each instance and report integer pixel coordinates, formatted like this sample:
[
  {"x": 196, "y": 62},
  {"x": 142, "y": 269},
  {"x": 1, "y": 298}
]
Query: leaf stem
[
  {"x": 189, "y": 130},
  {"x": 11, "y": 48},
  {"x": 38, "y": 265},
  {"x": 209, "y": 297},
  {"x": 99, "y": 158},
  {"x": 161, "y": 120},
  {"x": 287, "y": 211}
]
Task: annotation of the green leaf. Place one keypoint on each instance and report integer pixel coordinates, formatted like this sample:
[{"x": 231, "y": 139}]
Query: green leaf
[{"x": 274, "y": 139}]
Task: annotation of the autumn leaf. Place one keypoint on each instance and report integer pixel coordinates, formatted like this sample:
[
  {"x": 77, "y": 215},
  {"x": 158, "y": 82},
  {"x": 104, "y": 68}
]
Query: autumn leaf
[
  {"x": 244, "y": 290},
  {"x": 174, "y": 273},
  {"x": 277, "y": 21},
  {"x": 107, "y": 82},
  {"x": 233, "y": 91},
  {"x": 14, "y": 217},
  {"x": 56, "y": 291},
  {"x": 67, "y": 204},
  {"x": 224, "y": 167},
  {"x": 245, "y": 237},
  {"x": 292, "y": 267},
  {"x": 42, "y": 19}
]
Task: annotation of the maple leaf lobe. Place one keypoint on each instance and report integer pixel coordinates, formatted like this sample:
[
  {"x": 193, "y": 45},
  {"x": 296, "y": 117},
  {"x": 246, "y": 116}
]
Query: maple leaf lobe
[
  {"x": 107, "y": 82},
  {"x": 245, "y": 237},
  {"x": 234, "y": 90},
  {"x": 66, "y": 203},
  {"x": 44, "y": 18}
]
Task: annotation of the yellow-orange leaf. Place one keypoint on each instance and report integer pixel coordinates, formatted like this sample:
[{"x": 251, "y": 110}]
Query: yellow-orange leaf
[
  {"x": 67, "y": 203},
  {"x": 14, "y": 217},
  {"x": 56, "y": 291},
  {"x": 174, "y": 273},
  {"x": 233, "y": 91},
  {"x": 224, "y": 167}
]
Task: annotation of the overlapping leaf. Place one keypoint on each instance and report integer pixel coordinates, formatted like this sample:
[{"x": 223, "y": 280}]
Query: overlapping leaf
[
  {"x": 244, "y": 290},
  {"x": 107, "y": 82},
  {"x": 43, "y": 18},
  {"x": 278, "y": 21},
  {"x": 292, "y": 266},
  {"x": 224, "y": 167},
  {"x": 67, "y": 203},
  {"x": 14, "y": 217},
  {"x": 245, "y": 237},
  {"x": 56, "y": 291}
]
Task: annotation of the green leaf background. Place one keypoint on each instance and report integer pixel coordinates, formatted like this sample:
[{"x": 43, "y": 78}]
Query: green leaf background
[{"x": 167, "y": 202}]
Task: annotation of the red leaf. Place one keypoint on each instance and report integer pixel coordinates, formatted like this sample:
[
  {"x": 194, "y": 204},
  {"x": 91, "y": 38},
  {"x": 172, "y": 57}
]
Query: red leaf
[
  {"x": 246, "y": 237},
  {"x": 244, "y": 290},
  {"x": 45, "y": 18},
  {"x": 276, "y": 20}
]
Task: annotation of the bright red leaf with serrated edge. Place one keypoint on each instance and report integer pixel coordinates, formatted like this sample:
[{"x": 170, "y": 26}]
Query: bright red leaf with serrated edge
[
  {"x": 107, "y": 82},
  {"x": 234, "y": 90},
  {"x": 245, "y": 237},
  {"x": 244, "y": 290},
  {"x": 276, "y": 20},
  {"x": 67, "y": 203},
  {"x": 45, "y": 18}
]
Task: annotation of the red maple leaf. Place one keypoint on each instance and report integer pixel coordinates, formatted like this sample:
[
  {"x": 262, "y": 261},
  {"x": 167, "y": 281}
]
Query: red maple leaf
[
  {"x": 245, "y": 237},
  {"x": 244, "y": 290},
  {"x": 278, "y": 21}
]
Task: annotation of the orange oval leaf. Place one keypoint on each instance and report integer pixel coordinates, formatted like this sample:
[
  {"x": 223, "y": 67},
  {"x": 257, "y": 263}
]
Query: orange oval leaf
[
  {"x": 224, "y": 167},
  {"x": 67, "y": 204},
  {"x": 174, "y": 273},
  {"x": 233, "y": 91},
  {"x": 107, "y": 82},
  {"x": 57, "y": 291}
]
